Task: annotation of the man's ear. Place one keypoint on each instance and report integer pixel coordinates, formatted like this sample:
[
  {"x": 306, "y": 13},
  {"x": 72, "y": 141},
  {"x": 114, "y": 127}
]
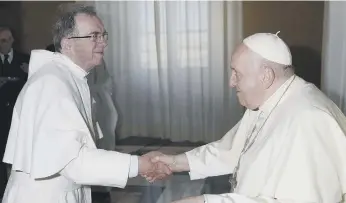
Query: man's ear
[
  {"x": 268, "y": 75},
  {"x": 65, "y": 44}
]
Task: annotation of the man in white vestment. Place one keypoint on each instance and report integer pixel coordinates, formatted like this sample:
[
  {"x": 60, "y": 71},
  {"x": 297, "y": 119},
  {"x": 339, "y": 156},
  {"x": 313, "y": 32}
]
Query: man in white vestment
[
  {"x": 290, "y": 145},
  {"x": 51, "y": 144}
]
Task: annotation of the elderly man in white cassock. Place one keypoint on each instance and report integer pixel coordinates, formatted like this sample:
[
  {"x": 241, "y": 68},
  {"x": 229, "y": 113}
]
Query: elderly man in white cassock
[
  {"x": 290, "y": 145},
  {"x": 51, "y": 144}
]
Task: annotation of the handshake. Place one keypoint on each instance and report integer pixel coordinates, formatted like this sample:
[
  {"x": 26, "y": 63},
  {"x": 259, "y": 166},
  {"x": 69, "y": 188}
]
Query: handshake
[{"x": 156, "y": 166}]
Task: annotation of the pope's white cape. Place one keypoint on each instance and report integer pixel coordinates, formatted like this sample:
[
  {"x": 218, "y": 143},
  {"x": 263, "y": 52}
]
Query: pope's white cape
[{"x": 299, "y": 156}]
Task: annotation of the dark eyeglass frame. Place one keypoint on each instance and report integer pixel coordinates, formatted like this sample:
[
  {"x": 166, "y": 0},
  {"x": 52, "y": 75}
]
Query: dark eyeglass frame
[{"x": 96, "y": 37}]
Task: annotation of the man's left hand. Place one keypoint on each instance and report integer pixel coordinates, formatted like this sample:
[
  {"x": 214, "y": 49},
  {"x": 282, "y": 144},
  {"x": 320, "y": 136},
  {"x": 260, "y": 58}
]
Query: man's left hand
[{"x": 196, "y": 199}]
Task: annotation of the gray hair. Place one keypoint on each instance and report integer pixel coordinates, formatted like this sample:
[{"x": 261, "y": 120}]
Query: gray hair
[
  {"x": 65, "y": 24},
  {"x": 279, "y": 69}
]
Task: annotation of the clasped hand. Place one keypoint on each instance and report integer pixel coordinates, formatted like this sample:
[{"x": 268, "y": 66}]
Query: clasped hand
[
  {"x": 155, "y": 166},
  {"x": 158, "y": 166}
]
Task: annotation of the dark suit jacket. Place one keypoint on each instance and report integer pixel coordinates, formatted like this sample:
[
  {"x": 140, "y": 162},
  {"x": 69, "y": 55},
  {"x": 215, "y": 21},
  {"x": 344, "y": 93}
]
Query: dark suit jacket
[
  {"x": 14, "y": 69},
  {"x": 9, "y": 93}
]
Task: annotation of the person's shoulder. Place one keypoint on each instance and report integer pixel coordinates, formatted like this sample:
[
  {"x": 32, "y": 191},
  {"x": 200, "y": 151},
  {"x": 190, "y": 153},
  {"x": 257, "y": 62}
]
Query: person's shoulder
[
  {"x": 315, "y": 101},
  {"x": 309, "y": 99},
  {"x": 317, "y": 118},
  {"x": 49, "y": 85},
  {"x": 46, "y": 91},
  {"x": 48, "y": 69},
  {"x": 308, "y": 106},
  {"x": 312, "y": 112}
]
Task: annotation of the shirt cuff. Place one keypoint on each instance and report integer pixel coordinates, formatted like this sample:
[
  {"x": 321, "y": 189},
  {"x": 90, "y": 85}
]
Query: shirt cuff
[
  {"x": 205, "y": 199},
  {"x": 133, "y": 166},
  {"x": 194, "y": 164}
]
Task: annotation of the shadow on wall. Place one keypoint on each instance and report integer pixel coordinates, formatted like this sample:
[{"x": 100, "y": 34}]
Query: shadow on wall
[{"x": 307, "y": 63}]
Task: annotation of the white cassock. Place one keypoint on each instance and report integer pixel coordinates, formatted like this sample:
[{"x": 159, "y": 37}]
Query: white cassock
[
  {"x": 51, "y": 141},
  {"x": 299, "y": 155}
]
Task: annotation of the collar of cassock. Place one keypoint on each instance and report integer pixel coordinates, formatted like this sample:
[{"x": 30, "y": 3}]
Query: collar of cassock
[{"x": 266, "y": 108}]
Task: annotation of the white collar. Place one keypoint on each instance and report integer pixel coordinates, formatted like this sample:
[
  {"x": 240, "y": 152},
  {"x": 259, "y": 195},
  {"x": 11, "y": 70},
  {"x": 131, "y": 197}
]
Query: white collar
[{"x": 10, "y": 56}]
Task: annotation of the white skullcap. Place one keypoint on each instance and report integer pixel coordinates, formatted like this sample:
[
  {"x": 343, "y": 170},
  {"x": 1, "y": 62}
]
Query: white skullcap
[{"x": 270, "y": 47}]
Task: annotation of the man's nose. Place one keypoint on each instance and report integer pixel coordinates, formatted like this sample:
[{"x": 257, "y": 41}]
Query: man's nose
[
  {"x": 232, "y": 81},
  {"x": 102, "y": 43}
]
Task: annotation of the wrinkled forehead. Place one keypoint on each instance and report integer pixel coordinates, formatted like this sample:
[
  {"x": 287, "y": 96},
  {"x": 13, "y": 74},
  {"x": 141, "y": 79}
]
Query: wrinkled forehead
[
  {"x": 86, "y": 24},
  {"x": 245, "y": 57},
  {"x": 240, "y": 54},
  {"x": 5, "y": 34}
]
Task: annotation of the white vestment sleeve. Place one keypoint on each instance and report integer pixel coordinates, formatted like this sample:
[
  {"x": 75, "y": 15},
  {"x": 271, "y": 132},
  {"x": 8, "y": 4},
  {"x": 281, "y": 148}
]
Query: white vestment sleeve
[
  {"x": 63, "y": 137},
  {"x": 99, "y": 167},
  {"x": 213, "y": 159}
]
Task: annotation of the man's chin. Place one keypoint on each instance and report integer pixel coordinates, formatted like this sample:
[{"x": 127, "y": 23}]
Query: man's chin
[
  {"x": 98, "y": 62},
  {"x": 241, "y": 102}
]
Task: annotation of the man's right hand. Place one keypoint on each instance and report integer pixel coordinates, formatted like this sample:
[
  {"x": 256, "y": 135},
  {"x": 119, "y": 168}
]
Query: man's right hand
[
  {"x": 175, "y": 163},
  {"x": 153, "y": 171},
  {"x": 145, "y": 165}
]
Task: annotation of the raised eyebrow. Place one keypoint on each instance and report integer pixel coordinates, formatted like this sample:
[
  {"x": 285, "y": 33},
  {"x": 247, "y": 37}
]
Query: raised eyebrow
[
  {"x": 96, "y": 32},
  {"x": 93, "y": 33}
]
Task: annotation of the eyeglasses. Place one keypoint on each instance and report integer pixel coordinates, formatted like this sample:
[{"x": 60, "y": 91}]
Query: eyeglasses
[{"x": 95, "y": 37}]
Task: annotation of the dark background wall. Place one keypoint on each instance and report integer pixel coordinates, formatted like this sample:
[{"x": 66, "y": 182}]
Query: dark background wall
[
  {"x": 10, "y": 15},
  {"x": 31, "y": 21},
  {"x": 301, "y": 26}
]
